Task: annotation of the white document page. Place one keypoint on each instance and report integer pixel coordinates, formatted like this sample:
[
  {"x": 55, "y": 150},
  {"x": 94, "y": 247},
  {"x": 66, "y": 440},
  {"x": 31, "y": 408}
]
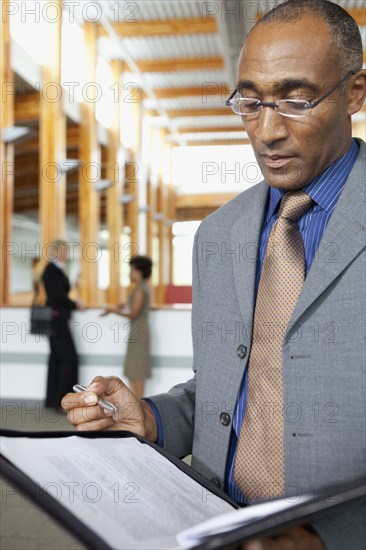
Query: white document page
[
  {"x": 237, "y": 518},
  {"x": 123, "y": 490}
]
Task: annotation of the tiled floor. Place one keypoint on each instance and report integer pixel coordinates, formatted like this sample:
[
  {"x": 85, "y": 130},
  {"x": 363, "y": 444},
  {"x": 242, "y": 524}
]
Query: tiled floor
[{"x": 24, "y": 526}]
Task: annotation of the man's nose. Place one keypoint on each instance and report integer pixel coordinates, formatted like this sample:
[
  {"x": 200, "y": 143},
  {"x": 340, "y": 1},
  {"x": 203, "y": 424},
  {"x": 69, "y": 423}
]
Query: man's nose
[{"x": 271, "y": 126}]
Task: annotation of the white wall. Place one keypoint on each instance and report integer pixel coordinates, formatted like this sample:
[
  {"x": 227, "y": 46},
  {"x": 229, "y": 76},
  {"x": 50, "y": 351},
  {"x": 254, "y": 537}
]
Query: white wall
[
  {"x": 101, "y": 345},
  {"x": 214, "y": 169}
]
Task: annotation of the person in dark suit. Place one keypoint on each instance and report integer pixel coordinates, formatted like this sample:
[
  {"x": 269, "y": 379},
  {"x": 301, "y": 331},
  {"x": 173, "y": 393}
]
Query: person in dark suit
[{"x": 63, "y": 360}]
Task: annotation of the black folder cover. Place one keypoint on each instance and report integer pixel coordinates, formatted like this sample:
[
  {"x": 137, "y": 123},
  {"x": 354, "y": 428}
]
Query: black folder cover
[{"x": 331, "y": 497}]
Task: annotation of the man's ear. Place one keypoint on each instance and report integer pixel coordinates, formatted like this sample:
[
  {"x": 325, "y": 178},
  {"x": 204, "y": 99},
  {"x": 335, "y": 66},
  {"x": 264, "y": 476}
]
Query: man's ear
[{"x": 357, "y": 92}]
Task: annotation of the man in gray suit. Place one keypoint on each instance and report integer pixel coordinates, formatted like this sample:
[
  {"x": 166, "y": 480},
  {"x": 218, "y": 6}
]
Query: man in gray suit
[{"x": 300, "y": 80}]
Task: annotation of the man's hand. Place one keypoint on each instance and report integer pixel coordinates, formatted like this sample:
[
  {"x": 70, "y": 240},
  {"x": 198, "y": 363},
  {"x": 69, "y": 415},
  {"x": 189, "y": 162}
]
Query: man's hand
[
  {"x": 132, "y": 414},
  {"x": 294, "y": 539}
]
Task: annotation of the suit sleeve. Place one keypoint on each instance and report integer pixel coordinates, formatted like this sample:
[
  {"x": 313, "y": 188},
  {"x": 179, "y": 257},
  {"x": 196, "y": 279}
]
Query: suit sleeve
[
  {"x": 55, "y": 289},
  {"x": 177, "y": 407}
]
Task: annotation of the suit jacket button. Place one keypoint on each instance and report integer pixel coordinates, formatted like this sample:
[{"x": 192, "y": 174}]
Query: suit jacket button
[
  {"x": 242, "y": 351},
  {"x": 216, "y": 482},
  {"x": 225, "y": 419}
]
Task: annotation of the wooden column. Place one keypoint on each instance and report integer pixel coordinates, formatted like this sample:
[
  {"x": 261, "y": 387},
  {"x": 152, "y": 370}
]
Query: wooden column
[
  {"x": 133, "y": 168},
  {"x": 131, "y": 183},
  {"x": 150, "y": 217},
  {"x": 171, "y": 214},
  {"x": 7, "y": 155},
  {"x": 149, "y": 191},
  {"x": 162, "y": 203},
  {"x": 90, "y": 164},
  {"x": 114, "y": 207},
  {"x": 52, "y": 140}
]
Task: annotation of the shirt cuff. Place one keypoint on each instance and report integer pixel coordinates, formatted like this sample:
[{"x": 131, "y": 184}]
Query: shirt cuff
[{"x": 159, "y": 422}]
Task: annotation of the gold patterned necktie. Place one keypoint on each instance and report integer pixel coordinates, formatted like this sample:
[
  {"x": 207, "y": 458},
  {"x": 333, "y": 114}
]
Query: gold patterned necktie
[{"x": 259, "y": 463}]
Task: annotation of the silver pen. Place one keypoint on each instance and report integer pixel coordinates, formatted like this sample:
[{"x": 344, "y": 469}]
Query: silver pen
[{"x": 107, "y": 405}]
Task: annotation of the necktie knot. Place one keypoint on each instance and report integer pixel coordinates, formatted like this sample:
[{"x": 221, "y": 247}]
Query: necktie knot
[{"x": 294, "y": 204}]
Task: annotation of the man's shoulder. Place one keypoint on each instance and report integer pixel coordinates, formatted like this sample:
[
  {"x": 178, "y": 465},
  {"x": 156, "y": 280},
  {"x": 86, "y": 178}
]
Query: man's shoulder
[
  {"x": 51, "y": 269},
  {"x": 353, "y": 196},
  {"x": 359, "y": 165}
]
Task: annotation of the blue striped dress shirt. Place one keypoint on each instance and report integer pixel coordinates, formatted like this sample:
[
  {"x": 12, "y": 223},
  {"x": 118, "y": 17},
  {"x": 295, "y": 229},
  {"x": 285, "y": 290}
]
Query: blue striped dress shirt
[{"x": 325, "y": 191}]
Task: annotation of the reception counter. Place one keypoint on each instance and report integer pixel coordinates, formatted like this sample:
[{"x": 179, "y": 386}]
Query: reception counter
[{"x": 101, "y": 343}]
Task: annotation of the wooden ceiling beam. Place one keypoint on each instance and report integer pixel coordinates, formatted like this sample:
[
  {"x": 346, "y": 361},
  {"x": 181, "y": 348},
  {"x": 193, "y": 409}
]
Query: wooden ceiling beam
[
  {"x": 358, "y": 14},
  {"x": 239, "y": 141},
  {"x": 162, "y": 27},
  {"x": 186, "y": 215},
  {"x": 210, "y": 89},
  {"x": 204, "y": 200},
  {"x": 209, "y": 129},
  {"x": 180, "y": 64},
  {"x": 193, "y": 112}
]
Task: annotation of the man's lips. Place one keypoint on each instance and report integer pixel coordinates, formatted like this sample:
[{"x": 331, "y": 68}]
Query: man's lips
[{"x": 276, "y": 161}]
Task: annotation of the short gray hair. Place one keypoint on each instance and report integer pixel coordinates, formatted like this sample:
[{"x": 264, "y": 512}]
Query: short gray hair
[
  {"x": 347, "y": 43},
  {"x": 55, "y": 245}
]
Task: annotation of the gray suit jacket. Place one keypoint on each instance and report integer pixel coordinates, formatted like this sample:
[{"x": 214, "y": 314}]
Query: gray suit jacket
[{"x": 323, "y": 353}]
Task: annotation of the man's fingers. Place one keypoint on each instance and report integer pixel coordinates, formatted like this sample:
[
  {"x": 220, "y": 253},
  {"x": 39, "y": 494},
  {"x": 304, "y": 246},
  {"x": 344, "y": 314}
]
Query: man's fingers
[
  {"x": 81, "y": 415},
  {"x": 263, "y": 544},
  {"x": 106, "y": 385},
  {"x": 76, "y": 400},
  {"x": 102, "y": 424},
  {"x": 254, "y": 545},
  {"x": 85, "y": 413},
  {"x": 297, "y": 538}
]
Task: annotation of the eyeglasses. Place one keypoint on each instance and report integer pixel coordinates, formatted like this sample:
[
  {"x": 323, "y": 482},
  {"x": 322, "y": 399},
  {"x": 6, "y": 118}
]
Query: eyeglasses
[{"x": 248, "y": 106}]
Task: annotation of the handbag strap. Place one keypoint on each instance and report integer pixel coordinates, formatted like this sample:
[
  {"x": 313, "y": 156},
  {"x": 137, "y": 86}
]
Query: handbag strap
[{"x": 37, "y": 296}]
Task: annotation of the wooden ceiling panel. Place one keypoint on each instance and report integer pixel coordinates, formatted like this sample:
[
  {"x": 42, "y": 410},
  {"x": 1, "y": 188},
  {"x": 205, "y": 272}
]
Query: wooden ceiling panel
[
  {"x": 180, "y": 64},
  {"x": 193, "y": 112},
  {"x": 209, "y": 200},
  {"x": 210, "y": 129},
  {"x": 163, "y": 27},
  {"x": 192, "y": 91}
]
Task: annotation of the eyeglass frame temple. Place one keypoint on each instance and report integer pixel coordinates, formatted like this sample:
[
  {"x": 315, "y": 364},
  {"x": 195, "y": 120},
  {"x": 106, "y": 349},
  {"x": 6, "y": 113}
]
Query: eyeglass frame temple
[
  {"x": 314, "y": 104},
  {"x": 332, "y": 90}
]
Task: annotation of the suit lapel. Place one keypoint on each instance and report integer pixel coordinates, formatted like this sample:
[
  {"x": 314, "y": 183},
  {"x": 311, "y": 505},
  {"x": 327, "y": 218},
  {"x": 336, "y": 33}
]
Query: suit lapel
[
  {"x": 342, "y": 241},
  {"x": 247, "y": 232}
]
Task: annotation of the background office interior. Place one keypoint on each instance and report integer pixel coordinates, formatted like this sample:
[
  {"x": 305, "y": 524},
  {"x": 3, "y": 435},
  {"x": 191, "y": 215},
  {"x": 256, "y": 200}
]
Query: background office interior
[{"x": 115, "y": 136}]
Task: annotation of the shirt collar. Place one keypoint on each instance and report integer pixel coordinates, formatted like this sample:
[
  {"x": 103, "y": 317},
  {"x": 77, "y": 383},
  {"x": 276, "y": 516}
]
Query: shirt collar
[
  {"x": 57, "y": 263},
  {"x": 325, "y": 188}
]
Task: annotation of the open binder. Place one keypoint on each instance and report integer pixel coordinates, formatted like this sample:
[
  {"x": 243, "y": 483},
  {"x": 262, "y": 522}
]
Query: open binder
[{"x": 296, "y": 514}]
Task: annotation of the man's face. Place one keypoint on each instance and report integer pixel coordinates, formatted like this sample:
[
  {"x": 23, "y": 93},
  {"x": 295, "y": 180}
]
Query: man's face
[
  {"x": 293, "y": 151},
  {"x": 63, "y": 253}
]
